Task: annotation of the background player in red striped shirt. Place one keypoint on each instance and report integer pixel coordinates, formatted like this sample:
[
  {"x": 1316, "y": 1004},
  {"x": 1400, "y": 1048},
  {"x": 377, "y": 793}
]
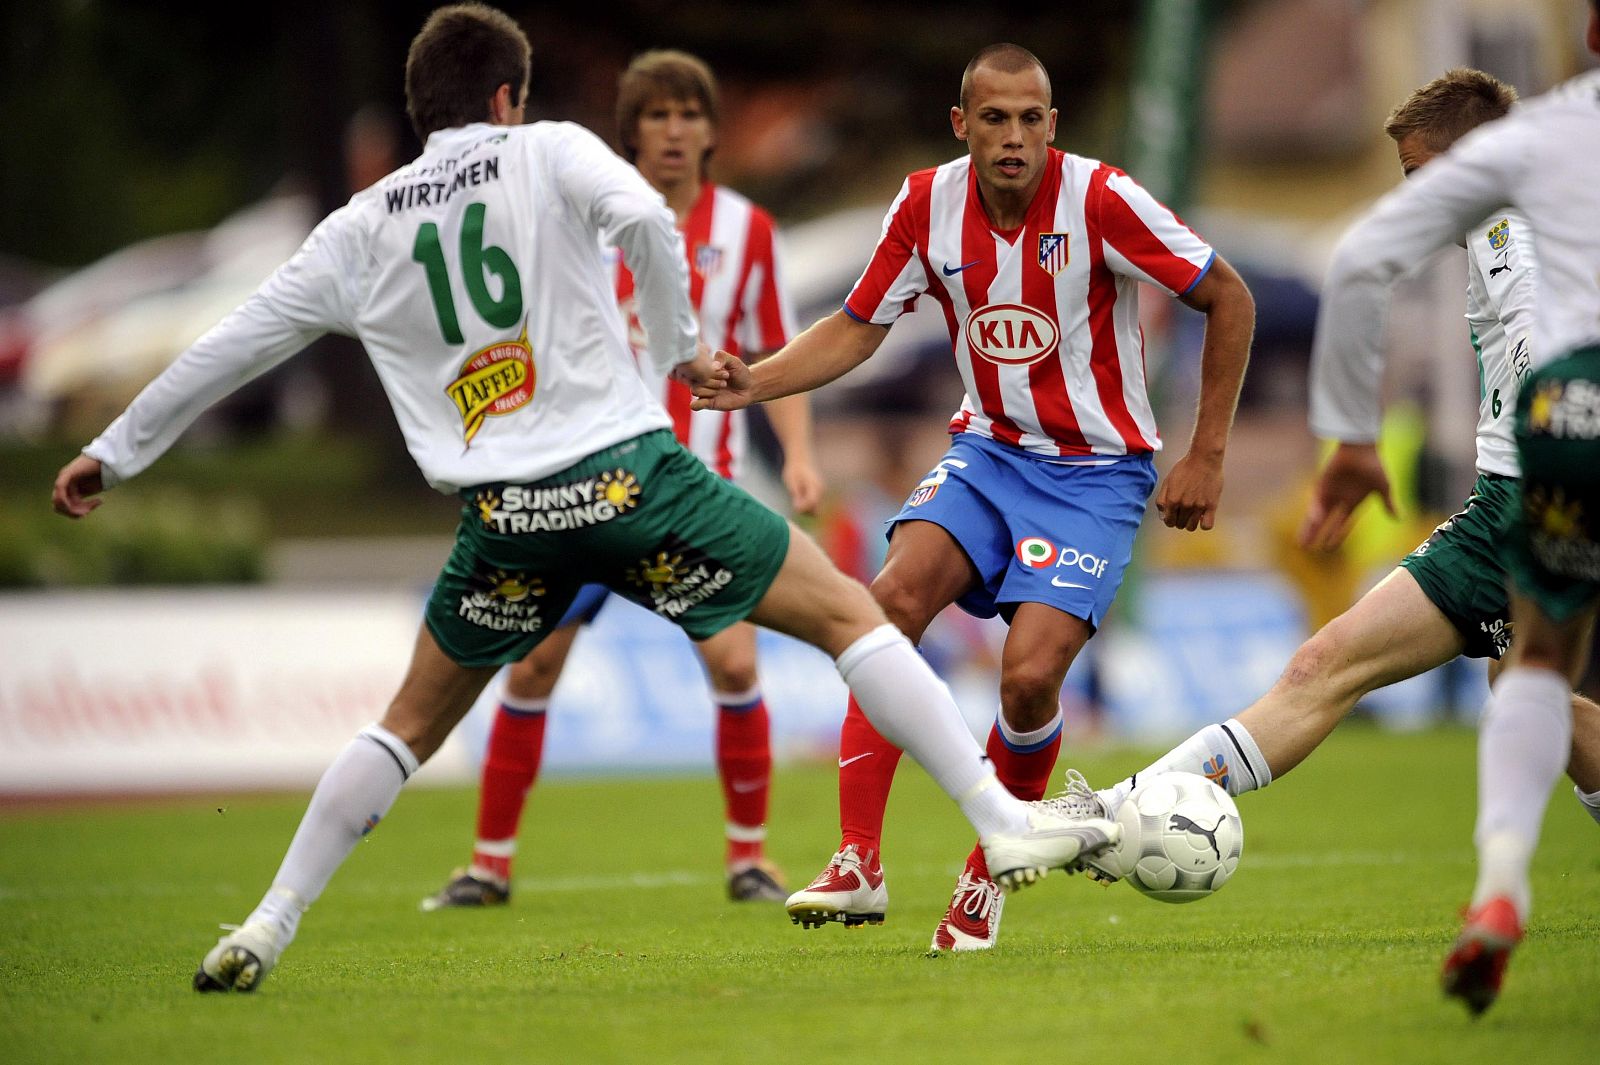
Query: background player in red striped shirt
[
  {"x": 667, "y": 123},
  {"x": 1034, "y": 257}
]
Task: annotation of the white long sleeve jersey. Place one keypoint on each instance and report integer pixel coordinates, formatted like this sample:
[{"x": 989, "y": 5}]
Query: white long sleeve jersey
[
  {"x": 474, "y": 278},
  {"x": 1544, "y": 160},
  {"x": 1501, "y": 282}
]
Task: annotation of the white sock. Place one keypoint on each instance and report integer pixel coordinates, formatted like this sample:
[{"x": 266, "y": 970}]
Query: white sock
[
  {"x": 1523, "y": 744},
  {"x": 1226, "y": 753},
  {"x": 1590, "y": 801},
  {"x": 350, "y": 800},
  {"x": 912, "y": 709},
  {"x": 1032, "y": 740}
]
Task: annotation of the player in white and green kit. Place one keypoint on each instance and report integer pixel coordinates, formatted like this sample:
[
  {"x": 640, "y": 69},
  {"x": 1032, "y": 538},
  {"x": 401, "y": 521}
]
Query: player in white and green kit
[
  {"x": 1448, "y": 597},
  {"x": 474, "y": 278},
  {"x": 1543, "y": 160}
]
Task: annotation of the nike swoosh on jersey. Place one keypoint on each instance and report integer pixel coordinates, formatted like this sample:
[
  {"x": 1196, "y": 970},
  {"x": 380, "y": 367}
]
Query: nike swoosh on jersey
[
  {"x": 1059, "y": 583},
  {"x": 950, "y": 271},
  {"x": 846, "y": 761}
]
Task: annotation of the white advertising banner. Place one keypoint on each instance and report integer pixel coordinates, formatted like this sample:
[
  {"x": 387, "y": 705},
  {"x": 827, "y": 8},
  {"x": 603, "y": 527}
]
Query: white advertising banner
[{"x": 171, "y": 690}]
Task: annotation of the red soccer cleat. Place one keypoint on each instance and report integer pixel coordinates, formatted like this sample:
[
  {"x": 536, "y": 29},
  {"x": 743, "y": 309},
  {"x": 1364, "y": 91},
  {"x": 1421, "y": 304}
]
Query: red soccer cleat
[
  {"x": 973, "y": 920},
  {"x": 1477, "y": 963},
  {"x": 851, "y": 889}
]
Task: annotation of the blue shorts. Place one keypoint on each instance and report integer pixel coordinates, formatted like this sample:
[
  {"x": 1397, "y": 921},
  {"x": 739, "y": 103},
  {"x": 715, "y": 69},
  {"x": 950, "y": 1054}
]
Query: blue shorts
[
  {"x": 1037, "y": 530},
  {"x": 585, "y": 605}
]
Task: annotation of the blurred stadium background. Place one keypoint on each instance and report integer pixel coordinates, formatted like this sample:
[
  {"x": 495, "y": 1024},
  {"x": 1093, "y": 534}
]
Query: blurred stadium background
[{"x": 157, "y": 166}]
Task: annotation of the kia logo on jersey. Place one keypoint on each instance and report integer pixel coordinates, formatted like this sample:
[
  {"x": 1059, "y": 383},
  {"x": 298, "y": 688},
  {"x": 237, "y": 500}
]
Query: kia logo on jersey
[{"x": 1011, "y": 334}]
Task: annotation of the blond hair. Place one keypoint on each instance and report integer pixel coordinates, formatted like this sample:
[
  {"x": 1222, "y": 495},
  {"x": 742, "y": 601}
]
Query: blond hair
[{"x": 1450, "y": 106}]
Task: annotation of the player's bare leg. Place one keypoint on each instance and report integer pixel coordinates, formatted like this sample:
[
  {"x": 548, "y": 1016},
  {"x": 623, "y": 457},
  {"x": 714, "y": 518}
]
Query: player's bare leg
[
  {"x": 510, "y": 768},
  {"x": 352, "y": 797},
  {"x": 924, "y": 572},
  {"x": 744, "y": 762},
  {"x": 1524, "y": 740},
  {"x": 1391, "y": 633},
  {"x": 913, "y": 709}
]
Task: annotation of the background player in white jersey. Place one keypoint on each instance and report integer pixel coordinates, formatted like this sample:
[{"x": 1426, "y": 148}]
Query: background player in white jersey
[
  {"x": 667, "y": 109},
  {"x": 474, "y": 278},
  {"x": 1034, "y": 256},
  {"x": 1449, "y": 596},
  {"x": 1542, "y": 160}
]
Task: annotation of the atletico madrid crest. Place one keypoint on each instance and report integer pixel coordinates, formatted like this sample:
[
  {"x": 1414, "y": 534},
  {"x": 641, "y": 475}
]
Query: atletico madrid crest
[
  {"x": 1052, "y": 253},
  {"x": 707, "y": 259}
]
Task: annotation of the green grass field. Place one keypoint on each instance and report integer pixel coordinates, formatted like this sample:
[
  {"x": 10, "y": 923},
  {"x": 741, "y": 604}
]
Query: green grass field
[{"x": 618, "y": 945}]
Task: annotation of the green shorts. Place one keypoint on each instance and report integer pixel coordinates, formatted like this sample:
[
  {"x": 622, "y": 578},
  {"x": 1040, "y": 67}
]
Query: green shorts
[
  {"x": 1461, "y": 568},
  {"x": 645, "y": 518},
  {"x": 1554, "y": 553}
]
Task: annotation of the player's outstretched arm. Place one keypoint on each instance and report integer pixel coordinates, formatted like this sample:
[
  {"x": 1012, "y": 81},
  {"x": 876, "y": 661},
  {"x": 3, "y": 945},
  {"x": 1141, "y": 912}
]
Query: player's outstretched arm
[
  {"x": 76, "y": 487},
  {"x": 1353, "y": 472},
  {"x": 831, "y": 348},
  {"x": 1189, "y": 496}
]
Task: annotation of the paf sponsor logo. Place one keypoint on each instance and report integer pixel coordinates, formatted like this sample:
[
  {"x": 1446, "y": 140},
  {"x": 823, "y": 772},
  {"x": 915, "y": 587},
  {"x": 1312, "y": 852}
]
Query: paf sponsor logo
[
  {"x": 496, "y": 380},
  {"x": 1011, "y": 334},
  {"x": 1035, "y": 553},
  {"x": 1082, "y": 561}
]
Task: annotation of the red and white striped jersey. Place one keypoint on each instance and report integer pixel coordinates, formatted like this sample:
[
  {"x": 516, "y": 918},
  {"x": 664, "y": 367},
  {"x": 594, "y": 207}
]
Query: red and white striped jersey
[
  {"x": 735, "y": 287},
  {"x": 1044, "y": 320}
]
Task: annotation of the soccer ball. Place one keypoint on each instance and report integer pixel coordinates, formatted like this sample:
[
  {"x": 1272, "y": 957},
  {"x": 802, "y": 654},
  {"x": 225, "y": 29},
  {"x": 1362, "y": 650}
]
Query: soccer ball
[{"x": 1181, "y": 837}]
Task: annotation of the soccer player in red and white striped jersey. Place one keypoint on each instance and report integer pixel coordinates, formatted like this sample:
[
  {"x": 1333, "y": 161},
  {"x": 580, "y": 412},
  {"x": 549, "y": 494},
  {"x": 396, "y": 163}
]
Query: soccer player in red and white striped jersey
[
  {"x": 667, "y": 119},
  {"x": 1034, "y": 256}
]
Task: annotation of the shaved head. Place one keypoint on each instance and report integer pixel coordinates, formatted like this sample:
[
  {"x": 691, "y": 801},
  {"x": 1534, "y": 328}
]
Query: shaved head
[{"x": 1005, "y": 59}]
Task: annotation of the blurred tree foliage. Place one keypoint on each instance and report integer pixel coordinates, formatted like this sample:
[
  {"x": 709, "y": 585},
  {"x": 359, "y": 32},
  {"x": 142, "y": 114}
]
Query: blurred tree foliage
[
  {"x": 128, "y": 118},
  {"x": 168, "y": 537},
  {"x": 125, "y": 120}
]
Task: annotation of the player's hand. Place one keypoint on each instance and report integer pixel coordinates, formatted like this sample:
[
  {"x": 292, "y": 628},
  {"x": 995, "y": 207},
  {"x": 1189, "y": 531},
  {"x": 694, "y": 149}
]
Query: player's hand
[
  {"x": 1353, "y": 472},
  {"x": 700, "y": 371},
  {"x": 804, "y": 483},
  {"x": 732, "y": 390},
  {"x": 76, "y": 486},
  {"x": 1188, "y": 497}
]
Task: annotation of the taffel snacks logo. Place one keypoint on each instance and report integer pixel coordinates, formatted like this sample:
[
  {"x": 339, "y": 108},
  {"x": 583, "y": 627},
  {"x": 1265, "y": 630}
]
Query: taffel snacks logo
[{"x": 496, "y": 380}]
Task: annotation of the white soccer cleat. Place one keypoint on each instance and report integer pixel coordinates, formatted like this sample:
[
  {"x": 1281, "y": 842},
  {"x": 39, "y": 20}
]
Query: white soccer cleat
[
  {"x": 240, "y": 960},
  {"x": 1053, "y": 840},
  {"x": 973, "y": 920},
  {"x": 852, "y": 889},
  {"x": 1081, "y": 802}
]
